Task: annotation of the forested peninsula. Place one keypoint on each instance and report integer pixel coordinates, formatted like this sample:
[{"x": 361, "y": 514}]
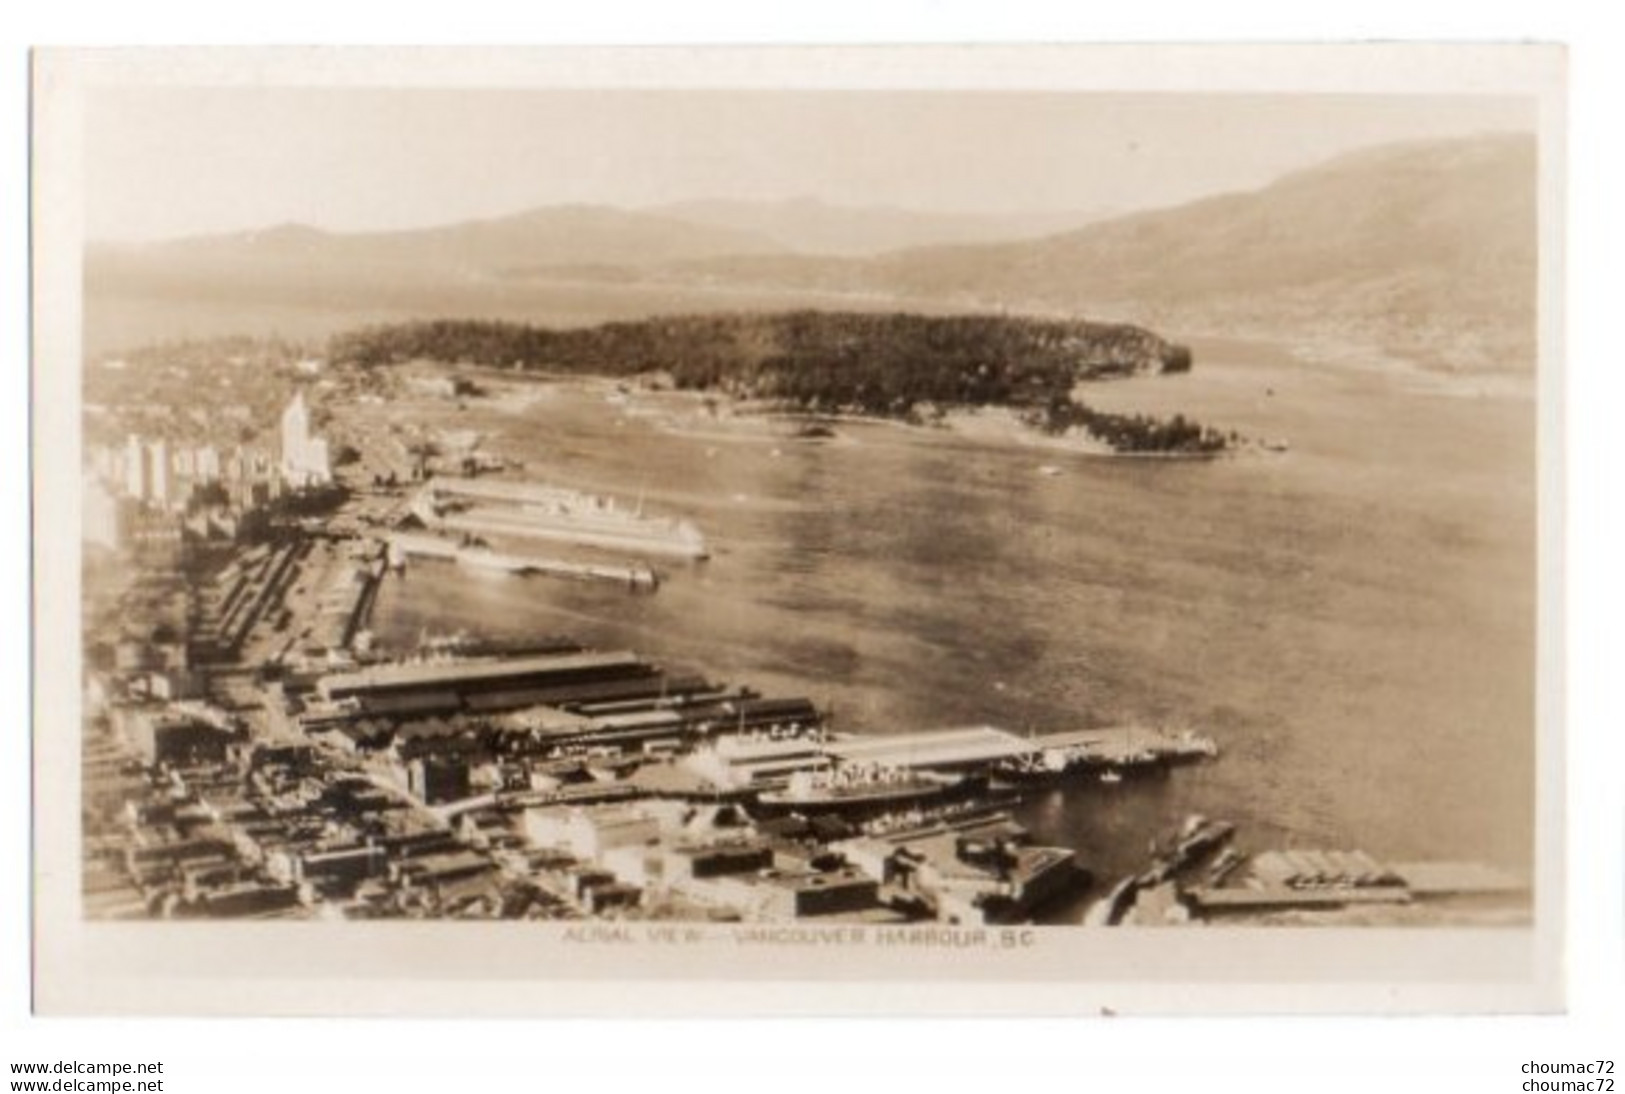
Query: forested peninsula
[{"x": 907, "y": 367}]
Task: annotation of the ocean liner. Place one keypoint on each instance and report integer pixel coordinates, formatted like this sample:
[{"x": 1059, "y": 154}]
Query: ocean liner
[{"x": 481, "y": 507}]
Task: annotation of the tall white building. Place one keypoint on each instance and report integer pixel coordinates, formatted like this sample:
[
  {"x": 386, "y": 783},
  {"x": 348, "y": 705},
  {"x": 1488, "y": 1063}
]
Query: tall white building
[
  {"x": 207, "y": 460},
  {"x": 304, "y": 457},
  {"x": 135, "y": 469},
  {"x": 101, "y": 523},
  {"x": 108, "y": 464},
  {"x": 158, "y": 474}
]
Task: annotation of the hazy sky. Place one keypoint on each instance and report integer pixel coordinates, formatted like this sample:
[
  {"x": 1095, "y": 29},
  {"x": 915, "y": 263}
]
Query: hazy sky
[{"x": 169, "y": 162}]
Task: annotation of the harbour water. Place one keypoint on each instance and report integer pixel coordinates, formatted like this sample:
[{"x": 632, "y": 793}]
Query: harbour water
[{"x": 1353, "y": 620}]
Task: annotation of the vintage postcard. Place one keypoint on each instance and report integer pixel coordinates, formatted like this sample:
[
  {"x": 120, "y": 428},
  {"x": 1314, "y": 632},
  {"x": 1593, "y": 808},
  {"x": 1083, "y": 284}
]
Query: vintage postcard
[{"x": 1002, "y": 530}]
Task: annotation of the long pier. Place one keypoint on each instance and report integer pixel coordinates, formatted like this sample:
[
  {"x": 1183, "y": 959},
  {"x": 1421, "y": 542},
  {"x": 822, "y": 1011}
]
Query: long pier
[{"x": 402, "y": 547}]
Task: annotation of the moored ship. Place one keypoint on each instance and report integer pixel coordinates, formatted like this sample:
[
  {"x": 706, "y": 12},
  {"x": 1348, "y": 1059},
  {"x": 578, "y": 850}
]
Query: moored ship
[
  {"x": 480, "y": 558},
  {"x": 1108, "y": 754},
  {"x": 853, "y": 791},
  {"x": 557, "y": 514}
]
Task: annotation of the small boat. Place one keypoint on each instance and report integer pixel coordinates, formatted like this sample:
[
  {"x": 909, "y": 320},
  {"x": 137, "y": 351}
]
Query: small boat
[
  {"x": 1108, "y": 911},
  {"x": 1111, "y": 777},
  {"x": 1049, "y": 469},
  {"x": 1226, "y": 864},
  {"x": 1197, "y": 841}
]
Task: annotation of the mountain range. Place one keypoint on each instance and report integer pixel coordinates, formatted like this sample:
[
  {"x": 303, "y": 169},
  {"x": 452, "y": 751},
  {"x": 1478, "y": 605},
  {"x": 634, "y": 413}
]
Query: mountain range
[
  {"x": 810, "y": 226},
  {"x": 1424, "y": 252}
]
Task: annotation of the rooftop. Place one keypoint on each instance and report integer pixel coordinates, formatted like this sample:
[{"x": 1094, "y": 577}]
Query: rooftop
[
  {"x": 930, "y": 748},
  {"x": 458, "y": 672}
]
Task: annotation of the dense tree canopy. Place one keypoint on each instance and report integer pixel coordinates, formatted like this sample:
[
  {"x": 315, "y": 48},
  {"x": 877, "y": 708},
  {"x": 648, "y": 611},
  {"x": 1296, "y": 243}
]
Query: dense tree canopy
[{"x": 889, "y": 365}]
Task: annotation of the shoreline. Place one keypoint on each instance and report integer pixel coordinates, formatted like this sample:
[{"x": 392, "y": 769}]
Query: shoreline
[
  {"x": 713, "y": 418},
  {"x": 991, "y": 425},
  {"x": 684, "y": 414}
]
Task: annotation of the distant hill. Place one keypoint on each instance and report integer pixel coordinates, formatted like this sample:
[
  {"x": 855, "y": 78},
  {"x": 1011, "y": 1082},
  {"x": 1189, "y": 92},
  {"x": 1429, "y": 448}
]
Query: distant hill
[
  {"x": 1423, "y": 251},
  {"x": 810, "y": 226},
  {"x": 277, "y": 260}
]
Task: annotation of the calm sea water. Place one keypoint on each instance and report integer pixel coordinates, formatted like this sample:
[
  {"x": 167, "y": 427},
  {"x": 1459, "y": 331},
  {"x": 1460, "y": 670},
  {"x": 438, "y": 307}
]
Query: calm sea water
[{"x": 1352, "y": 620}]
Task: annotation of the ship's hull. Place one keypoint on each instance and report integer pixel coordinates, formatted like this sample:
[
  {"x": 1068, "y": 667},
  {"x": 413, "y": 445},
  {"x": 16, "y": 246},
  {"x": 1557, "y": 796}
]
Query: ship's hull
[
  {"x": 869, "y": 801},
  {"x": 1034, "y": 778},
  {"x": 603, "y": 535},
  {"x": 538, "y": 511}
]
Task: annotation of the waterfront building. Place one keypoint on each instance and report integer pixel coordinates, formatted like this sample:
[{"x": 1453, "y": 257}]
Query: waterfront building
[
  {"x": 522, "y": 678},
  {"x": 755, "y": 761},
  {"x": 983, "y": 872}
]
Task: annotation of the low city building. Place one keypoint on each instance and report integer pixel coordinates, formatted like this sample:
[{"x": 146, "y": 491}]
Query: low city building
[
  {"x": 755, "y": 761},
  {"x": 434, "y": 780},
  {"x": 815, "y": 893},
  {"x": 159, "y": 734}
]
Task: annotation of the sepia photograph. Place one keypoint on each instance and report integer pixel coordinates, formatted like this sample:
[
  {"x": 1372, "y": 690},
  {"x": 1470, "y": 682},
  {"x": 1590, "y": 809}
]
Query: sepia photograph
[{"x": 880, "y": 514}]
